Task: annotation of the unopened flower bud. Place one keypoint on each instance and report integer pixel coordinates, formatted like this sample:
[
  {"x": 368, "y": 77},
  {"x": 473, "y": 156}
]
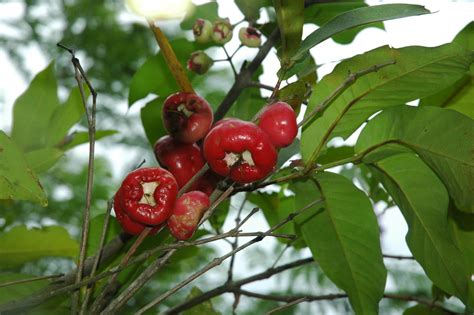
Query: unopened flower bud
[
  {"x": 250, "y": 36},
  {"x": 202, "y": 30},
  {"x": 199, "y": 62},
  {"x": 222, "y": 31}
]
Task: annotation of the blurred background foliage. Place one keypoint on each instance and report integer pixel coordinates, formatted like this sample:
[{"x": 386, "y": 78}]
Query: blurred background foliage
[{"x": 118, "y": 52}]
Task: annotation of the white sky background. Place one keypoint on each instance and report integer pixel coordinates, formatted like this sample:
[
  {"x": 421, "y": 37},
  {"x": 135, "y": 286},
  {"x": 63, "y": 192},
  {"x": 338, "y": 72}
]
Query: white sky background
[{"x": 427, "y": 30}]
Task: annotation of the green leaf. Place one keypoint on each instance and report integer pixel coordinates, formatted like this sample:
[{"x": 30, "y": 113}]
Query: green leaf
[
  {"x": 81, "y": 137},
  {"x": 33, "y": 110},
  {"x": 423, "y": 200},
  {"x": 154, "y": 77},
  {"x": 461, "y": 226},
  {"x": 276, "y": 207},
  {"x": 207, "y": 11},
  {"x": 441, "y": 137},
  {"x": 152, "y": 121},
  {"x": 95, "y": 232},
  {"x": 202, "y": 308},
  {"x": 217, "y": 220},
  {"x": 418, "y": 72},
  {"x": 357, "y": 17},
  {"x": 322, "y": 13},
  {"x": 286, "y": 153},
  {"x": 65, "y": 116},
  {"x": 43, "y": 159},
  {"x": 18, "y": 291},
  {"x": 251, "y": 8},
  {"x": 343, "y": 236},
  {"x": 458, "y": 97},
  {"x": 290, "y": 21},
  {"x": 17, "y": 179},
  {"x": 21, "y": 245}
]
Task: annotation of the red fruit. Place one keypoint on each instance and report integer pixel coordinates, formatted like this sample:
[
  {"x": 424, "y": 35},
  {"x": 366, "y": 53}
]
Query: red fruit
[
  {"x": 148, "y": 195},
  {"x": 240, "y": 150},
  {"x": 187, "y": 117},
  {"x": 207, "y": 183},
  {"x": 183, "y": 160},
  {"x": 128, "y": 225},
  {"x": 187, "y": 212},
  {"x": 279, "y": 122}
]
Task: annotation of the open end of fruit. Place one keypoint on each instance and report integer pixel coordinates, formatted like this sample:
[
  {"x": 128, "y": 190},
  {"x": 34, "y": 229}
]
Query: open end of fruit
[
  {"x": 148, "y": 191},
  {"x": 182, "y": 108}
]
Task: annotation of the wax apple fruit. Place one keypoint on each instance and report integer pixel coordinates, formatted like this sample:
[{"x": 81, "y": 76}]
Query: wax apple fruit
[
  {"x": 202, "y": 30},
  {"x": 199, "y": 62},
  {"x": 187, "y": 117},
  {"x": 187, "y": 212},
  {"x": 183, "y": 160},
  {"x": 221, "y": 31},
  {"x": 250, "y": 36},
  {"x": 240, "y": 150},
  {"x": 148, "y": 195},
  {"x": 278, "y": 120},
  {"x": 128, "y": 225}
]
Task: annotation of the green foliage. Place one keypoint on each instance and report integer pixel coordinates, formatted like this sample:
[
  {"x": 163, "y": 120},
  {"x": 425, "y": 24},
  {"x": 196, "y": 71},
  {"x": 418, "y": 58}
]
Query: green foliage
[
  {"x": 357, "y": 17},
  {"x": 203, "y": 308},
  {"x": 406, "y": 177},
  {"x": 251, "y": 8},
  {"x": 432, "y": 68},
  {"x": 17, "y": 291},
  {"x": 17, "y": 180},
  {"x": 423, "y": 130},
  {"x": 290, "y": 21},
  {"x": 20, "y": 245},
  {"x": 343, "y": 235}
]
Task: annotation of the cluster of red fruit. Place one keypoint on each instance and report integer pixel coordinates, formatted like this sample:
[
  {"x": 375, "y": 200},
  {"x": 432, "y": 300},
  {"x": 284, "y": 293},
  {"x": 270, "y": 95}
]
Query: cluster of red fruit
[
  {"x": 242, "y": 151},
  {"x": 219, "y": 32}
]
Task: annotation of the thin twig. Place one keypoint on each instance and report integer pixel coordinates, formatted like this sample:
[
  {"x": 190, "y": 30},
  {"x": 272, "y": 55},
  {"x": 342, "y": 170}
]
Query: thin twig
[
  {"x": 95, "y": 265},
  {"x": 235, "y": 243},
  {"x": 351, "y": 78},
  {"x": 21, "y": 281},
  {"x": 80, "y": 76},
  {"x": 218, "y": 261},
  {"x": 229, "y": 58}
]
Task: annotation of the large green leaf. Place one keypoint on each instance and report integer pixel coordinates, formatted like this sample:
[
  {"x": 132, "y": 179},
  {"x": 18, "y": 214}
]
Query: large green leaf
[
  {"x": 202, "y": 308},
  {"x": 65, "y": 116},
  {"x": 276, "y": 207},
  {"x": 42, "y": 159},
  {"x": 290, "y": 21},
  {"x": 18, "y": 291},
  {"x": 461, "y": 225},
  {"x": 152, "y": 121},
  {"x": 343, "y": 236},
  {"x": 458, "y": 96},
  {"x": 418, "y": 72},
  {"x": 95, "y": 232},
  {"x": 21, "y": 245},
  {"x": 423, "y": 200},
  {"x": 33, "y": 110},
  {"x": 357, "y": 17},
  {"x": 321, "y": 13},
  {"x": 441, "y": 137},
  {"x": 17, "y": 179}
]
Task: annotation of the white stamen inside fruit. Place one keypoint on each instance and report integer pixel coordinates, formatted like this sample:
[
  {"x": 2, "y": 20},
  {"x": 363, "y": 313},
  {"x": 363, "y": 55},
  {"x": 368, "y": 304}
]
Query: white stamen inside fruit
[
  {"x": 182, "y": 108},
  {"x": 247, "y": 157},
  {"x": 231, "y": 158},
  {"x": 148, "y": 191}
]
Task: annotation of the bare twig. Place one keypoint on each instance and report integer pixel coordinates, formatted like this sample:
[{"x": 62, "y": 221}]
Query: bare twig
[
  {"x": 219, "y": 260},
  {"x": 95, "y": 265},
  {"x": 80, "y": 78},
  {"x": 33, "y": 279},
  {"x": 341, "y": 88},
  {"x": 245, "y": 76},
  {"x": 235, "y": 243},
  {"x": 229, "y": 58}
]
